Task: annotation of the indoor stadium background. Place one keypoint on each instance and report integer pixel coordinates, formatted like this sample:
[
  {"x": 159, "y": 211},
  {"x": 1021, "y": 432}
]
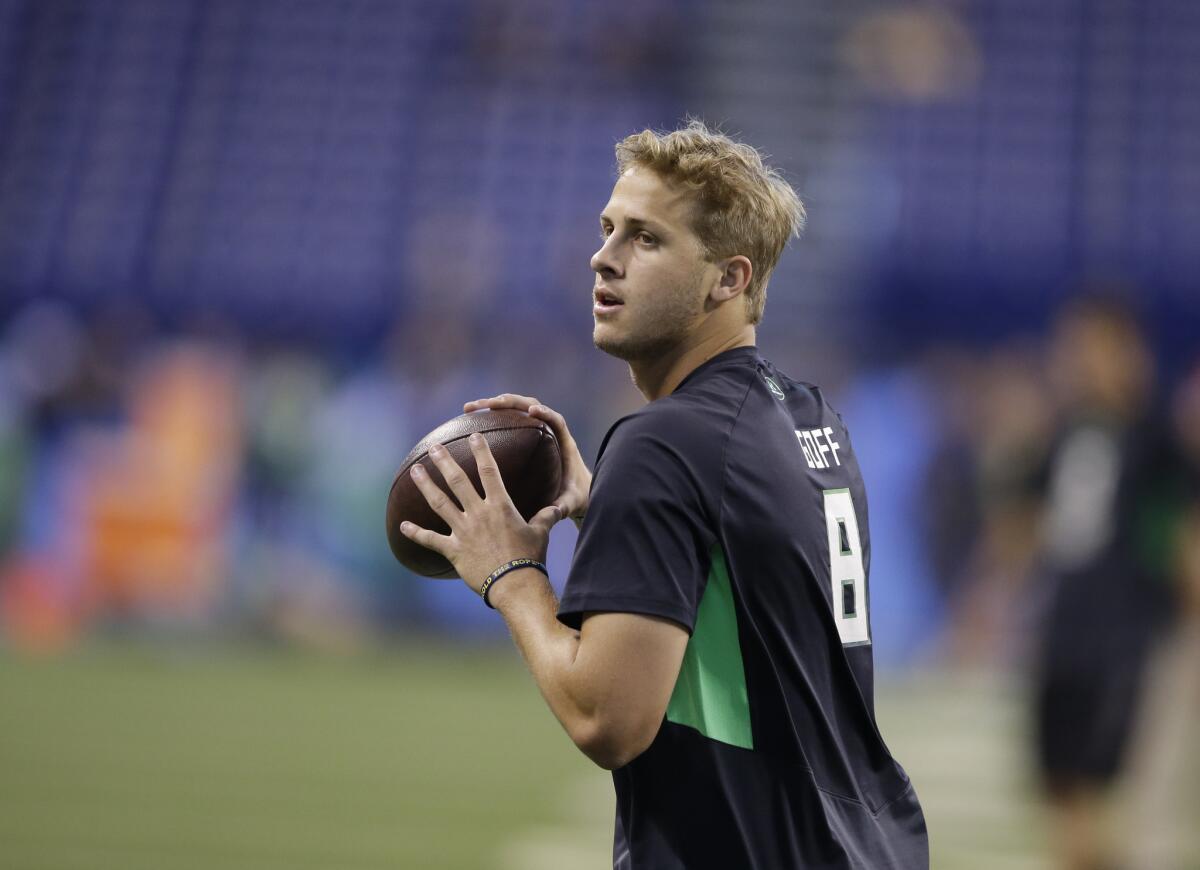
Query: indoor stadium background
[{"x": 251, "y": 251}]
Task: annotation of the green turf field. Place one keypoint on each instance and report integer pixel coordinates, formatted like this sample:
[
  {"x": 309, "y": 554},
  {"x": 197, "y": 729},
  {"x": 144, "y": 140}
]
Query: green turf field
[
  {"x": 128, "y": 759},
  {"x": 431, "y": 757}
]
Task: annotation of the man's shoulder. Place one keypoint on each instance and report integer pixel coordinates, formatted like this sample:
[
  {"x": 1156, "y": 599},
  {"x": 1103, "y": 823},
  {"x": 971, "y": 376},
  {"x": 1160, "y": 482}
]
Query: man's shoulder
[
  {"x": 805, "y": 398},
  {"x": 688, "y": 426},
  {"x": 685, "y": 416}
]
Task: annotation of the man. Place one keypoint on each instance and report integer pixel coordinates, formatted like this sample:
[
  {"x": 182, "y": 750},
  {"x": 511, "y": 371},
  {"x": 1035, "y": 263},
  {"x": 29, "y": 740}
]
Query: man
[
  {"x": 1115, "y": 499},
  {"x": 712, "y": 647}
]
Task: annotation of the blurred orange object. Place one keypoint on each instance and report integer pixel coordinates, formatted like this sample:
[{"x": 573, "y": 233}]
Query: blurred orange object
[
  {"x": 38, "y": 612},
  {"x": 155, "y": 498}
]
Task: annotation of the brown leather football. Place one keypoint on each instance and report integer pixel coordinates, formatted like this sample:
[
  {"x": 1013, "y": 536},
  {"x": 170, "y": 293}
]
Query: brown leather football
[{"x": 526, "y": 453}]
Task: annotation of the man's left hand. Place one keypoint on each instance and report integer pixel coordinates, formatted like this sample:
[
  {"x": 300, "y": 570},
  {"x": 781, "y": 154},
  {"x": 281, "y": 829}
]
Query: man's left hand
[{"x": 488, "y": 531}]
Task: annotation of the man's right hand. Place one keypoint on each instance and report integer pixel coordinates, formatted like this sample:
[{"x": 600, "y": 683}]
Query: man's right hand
[{"x": 576, "y": 478}]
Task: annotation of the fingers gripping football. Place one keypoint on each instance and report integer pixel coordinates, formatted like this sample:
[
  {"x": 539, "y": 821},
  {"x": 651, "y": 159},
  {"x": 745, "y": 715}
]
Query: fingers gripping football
[
  {"x": 577, "y": 477},
  {"x": 504, "y": 400},
  {"x": 441, "y": 505},
  {"x": 487, "y": 531},
  {"x": 489, "y": 471}
]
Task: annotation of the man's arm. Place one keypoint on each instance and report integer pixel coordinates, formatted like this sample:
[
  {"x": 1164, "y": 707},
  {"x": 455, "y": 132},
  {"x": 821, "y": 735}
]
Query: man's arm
[{"x": 608, "y": 684}]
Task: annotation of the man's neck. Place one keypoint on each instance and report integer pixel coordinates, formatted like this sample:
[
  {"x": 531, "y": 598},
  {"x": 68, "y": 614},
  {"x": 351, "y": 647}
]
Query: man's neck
[{"x": 659, "y": 377}]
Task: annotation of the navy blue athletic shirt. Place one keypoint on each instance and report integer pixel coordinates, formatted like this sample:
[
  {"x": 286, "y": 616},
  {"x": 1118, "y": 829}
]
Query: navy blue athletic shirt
[{"x": 734, "y": 507}]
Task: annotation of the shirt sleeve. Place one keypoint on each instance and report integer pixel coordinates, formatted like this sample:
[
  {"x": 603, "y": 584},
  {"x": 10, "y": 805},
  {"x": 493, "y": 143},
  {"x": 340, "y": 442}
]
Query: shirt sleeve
[{"x": 645, "y": 542}]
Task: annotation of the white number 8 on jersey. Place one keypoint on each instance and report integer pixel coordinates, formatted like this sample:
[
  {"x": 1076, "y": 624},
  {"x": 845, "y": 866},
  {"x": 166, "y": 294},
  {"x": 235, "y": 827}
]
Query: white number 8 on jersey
[{"x": 846, "y": 572}]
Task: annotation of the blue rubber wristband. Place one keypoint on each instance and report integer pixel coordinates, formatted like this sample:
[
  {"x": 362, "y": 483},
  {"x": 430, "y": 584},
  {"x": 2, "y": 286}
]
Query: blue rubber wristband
[{"x": 514, "y": 565}]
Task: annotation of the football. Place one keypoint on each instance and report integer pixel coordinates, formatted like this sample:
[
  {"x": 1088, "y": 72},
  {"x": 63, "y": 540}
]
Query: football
[{"x": 526, "y": 453}]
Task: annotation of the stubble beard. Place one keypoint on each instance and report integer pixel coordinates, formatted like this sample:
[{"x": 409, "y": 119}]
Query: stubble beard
[
  {"x": 656, "y": 332},
  {"x": 640, "y": 347}
]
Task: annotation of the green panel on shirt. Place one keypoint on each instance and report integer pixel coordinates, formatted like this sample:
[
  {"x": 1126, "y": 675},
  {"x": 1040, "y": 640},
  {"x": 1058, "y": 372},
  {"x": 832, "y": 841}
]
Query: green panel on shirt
[{"x": 710, "y": 694}]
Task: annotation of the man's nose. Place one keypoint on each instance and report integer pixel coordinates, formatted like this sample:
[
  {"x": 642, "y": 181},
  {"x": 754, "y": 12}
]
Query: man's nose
[{"x": 604, "y": 261}]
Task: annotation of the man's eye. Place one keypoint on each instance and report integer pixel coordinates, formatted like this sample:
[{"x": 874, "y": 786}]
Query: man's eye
[
  {"x": 645, "y": 238},
  {"x": 605, "y": 232}
]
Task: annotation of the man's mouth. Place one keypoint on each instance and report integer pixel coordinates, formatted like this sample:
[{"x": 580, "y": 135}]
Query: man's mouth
[{"x": 604, "y": 301}]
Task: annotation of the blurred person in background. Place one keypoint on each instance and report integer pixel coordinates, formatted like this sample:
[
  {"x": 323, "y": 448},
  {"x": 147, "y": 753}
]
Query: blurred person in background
[
  {"x": 1107, "y": 556},
  {"x": 63, "y": 379}
]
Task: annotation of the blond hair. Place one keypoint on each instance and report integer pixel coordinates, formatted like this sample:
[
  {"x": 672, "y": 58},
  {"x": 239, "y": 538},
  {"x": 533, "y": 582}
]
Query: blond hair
[{"x": 744, "y": 206}]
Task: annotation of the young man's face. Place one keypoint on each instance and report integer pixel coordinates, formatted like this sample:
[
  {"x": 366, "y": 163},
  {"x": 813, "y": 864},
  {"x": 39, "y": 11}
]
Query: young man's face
[
  {"x": 1101, "y": 365},
  {"x": 652, "y": 277}
]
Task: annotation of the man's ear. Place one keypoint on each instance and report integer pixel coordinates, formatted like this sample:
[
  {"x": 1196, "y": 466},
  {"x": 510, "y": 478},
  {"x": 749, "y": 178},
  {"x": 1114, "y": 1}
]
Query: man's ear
[{"x": 735, "y": 278}]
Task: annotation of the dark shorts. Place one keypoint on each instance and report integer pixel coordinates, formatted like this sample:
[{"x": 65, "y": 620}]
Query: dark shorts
[{"x": 1084, "y": 718}]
